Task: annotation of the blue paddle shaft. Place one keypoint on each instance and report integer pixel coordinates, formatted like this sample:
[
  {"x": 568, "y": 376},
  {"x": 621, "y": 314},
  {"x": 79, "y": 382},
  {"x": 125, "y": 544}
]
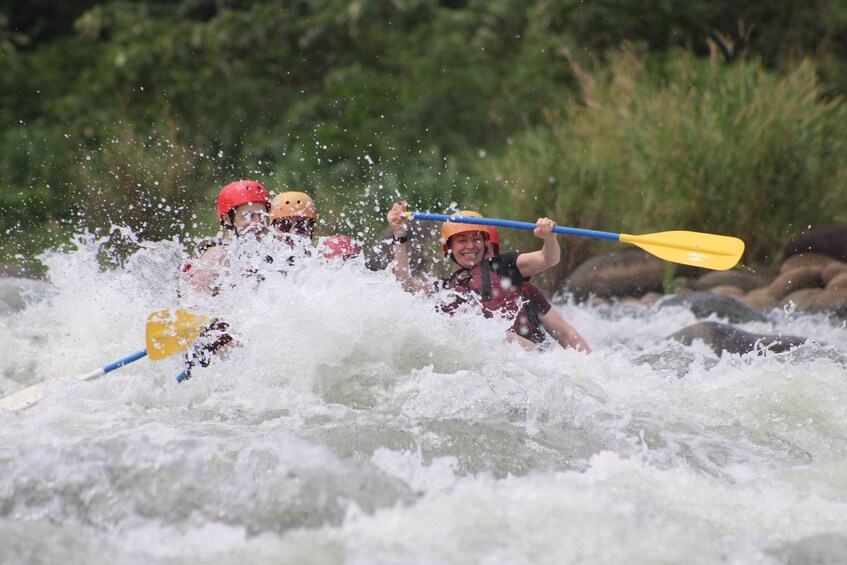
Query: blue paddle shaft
[
  {"x": 512, "y": 224},
  {"x": 125, "y": 361}
]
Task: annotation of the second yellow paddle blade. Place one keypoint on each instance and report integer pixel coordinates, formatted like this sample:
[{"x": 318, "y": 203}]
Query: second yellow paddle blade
[
  {"x": 173, "y": 332},
  {"x": 706, "y": 250}
]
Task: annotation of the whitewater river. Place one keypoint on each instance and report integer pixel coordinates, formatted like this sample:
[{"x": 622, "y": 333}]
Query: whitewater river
[{"x": 357, "y": 425}]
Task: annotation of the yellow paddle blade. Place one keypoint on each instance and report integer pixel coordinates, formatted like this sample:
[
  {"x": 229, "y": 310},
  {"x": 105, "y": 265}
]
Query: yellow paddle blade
[
  {"x": 169, "y": 333},
  {"x": 706, "y": 250}
]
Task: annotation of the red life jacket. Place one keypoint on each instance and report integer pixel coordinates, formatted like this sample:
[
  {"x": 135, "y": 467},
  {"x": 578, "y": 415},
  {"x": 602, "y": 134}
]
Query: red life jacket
[{"x": 496, "y": 292}]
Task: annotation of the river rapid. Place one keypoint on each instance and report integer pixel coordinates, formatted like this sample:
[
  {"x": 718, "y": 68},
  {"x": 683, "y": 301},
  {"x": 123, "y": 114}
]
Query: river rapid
[{"x": 355, "y": 424}]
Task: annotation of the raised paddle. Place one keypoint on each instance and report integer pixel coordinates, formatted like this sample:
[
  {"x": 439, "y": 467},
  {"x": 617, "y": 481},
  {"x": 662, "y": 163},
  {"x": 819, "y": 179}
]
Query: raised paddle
[
  {"x": 166, "y": 335},
  {"x": 706, "y": 250}
]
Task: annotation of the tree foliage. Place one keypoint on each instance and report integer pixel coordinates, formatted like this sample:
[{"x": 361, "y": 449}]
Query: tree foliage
[{"x": 106, "y": 105}]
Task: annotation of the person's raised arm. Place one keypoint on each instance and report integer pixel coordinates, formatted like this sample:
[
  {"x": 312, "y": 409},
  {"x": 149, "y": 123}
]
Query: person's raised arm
[
  {"x": 397, "y": 218},
  {"x": 563, "y": 332},
  {"x": 548, "y": 256}
]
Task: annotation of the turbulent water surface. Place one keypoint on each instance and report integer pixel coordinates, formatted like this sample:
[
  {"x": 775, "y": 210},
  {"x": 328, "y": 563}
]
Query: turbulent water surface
[{"x": 355, "y": 424}]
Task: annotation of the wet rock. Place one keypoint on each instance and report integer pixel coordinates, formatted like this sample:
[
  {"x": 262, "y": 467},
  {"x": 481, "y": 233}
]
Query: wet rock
[
  {"x": 15, "y": 292},
  {"x": 744, "y": 281},
  {"x": 650, "y": 298},
  {"x": 624, "y": 273},
  {"x": 830, "y": 241},
  {"x": 628, "y": 273},
  {"x": 821, "y": 549},
  {"x": 804, "y": 299},
  {"x": 816, "y": 260},
  {"x": 832, "y": 300},
  {"x": 724, "y": 337},
  {"x": 705, "y": 304},
  {"x": 675, "y": 361},
  {"x": 727, "y": 290},
  {"x": 793, "y": 280},
  {"x": 760, "y": 299},
  {"x": 833, "y": 271},
  {"x": 837, "y": 281}
]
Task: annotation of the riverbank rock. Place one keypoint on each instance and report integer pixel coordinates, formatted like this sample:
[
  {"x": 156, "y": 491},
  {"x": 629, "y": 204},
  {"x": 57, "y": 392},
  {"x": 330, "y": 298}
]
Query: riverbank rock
[
  {"x": 627, "y": 273},
  {"x": 810, "y": 282},
  {"x": 830, "y": 241},
  {"x": 705, "y": 304},
  {"x": 724, "y": 337},
  {"x": 740, "y": 280}
]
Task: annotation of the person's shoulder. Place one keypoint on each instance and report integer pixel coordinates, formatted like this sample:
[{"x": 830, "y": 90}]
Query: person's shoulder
[
  {"x": 506, "y": 258},
  {"x": 504, "y": 262}
]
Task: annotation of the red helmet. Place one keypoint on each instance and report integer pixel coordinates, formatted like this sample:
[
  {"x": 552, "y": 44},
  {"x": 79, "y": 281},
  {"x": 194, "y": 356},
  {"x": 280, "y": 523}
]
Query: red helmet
[
  {"x": 494, "y": 237},
  {"x": 241, "y": 192},
  {"x": 338, "y": 246}
]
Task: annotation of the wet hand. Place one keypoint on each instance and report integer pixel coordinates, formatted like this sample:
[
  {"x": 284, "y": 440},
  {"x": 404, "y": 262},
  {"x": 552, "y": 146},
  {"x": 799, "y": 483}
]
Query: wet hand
[
  {"x": 397, "y": 218},
  {"x": 544, "y": 228}
]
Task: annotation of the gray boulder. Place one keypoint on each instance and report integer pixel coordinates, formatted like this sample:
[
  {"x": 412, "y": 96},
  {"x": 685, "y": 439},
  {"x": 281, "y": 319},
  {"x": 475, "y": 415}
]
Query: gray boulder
[
  {"x": 631, "y": 272},
  {"x": 739, "y": 279},
  {"x": 724, "y": 337},
  {"x": 704, "y": 304}
]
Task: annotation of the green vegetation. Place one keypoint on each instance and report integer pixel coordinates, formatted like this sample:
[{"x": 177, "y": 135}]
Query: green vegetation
[
  {"x": 694, "y": 144},
  {"x": 719, "y": 116}
]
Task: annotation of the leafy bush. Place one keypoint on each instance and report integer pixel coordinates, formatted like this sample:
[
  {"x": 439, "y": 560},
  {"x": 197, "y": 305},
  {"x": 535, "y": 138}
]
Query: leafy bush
[{"x": 684, "y": 143}]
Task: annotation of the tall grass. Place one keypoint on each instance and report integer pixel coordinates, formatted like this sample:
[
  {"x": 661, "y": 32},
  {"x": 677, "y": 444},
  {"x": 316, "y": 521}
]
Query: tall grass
[{"x": 683, "y": 143}]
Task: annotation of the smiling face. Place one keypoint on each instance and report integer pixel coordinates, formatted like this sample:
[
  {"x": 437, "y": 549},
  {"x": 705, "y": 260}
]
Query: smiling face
[{"x": 468, "y": 248}]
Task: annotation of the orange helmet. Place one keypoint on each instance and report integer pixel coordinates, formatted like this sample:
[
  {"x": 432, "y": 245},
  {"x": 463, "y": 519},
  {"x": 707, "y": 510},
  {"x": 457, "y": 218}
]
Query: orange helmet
[
  {"x": 449, "y": 229},
  {"x": 240, "y": 192},
  {"x": 293, "y": 205}
]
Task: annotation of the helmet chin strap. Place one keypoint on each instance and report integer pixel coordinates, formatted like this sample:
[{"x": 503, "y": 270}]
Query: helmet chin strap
[{"x": 231, "y": 225}]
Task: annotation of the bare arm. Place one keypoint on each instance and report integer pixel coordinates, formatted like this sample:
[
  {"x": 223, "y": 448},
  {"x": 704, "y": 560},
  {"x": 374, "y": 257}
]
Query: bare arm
[
  {"x": 512, "y": 337},
  {"x": 397, "y": 218},
  {"x": 204, "y": 273},
  {"x": 563, "y": 332},
  {"x": 549, "y": 255}
]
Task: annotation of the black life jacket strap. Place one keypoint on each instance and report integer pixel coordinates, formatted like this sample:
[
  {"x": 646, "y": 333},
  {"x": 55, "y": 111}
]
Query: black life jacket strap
[
  {"x": 485, "y": 272},
  {"x": 532, "y": 313}
]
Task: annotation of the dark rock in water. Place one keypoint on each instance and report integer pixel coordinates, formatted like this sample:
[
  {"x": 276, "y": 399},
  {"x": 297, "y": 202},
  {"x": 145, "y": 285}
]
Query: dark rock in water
[
  {"x": 15, "y": 292},
  {"x": 675, "y": 361},
  {"x": 822, "y": 549},
  {"x": 422, "y": 237},
  {"x": 723, "y": 337},
  {"x": 831, "y": 241},
  {"x": 704, "y": 304}
]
